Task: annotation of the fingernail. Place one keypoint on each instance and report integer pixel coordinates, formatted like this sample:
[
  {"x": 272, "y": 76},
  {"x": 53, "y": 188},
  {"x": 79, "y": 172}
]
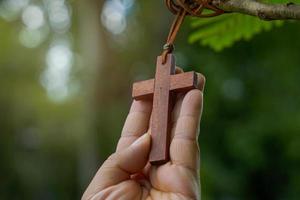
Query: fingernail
[
  {"x": 140, "y": 139},
  {"x": 201, "y": 81}
]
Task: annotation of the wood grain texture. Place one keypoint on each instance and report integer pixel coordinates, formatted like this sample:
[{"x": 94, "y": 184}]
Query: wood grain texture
[
  {"x": 143, "y": 90},
  {"x": 183, "y": 82},
  {"x": 160, "y": 129}
]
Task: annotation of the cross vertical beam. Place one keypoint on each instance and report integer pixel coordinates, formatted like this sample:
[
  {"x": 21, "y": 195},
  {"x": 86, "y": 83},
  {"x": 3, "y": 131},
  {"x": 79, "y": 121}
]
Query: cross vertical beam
[{"x": 161, "y": 111}]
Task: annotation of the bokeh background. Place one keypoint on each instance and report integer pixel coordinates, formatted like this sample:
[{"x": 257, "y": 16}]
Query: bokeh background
[{"x": 66, "y": 69}]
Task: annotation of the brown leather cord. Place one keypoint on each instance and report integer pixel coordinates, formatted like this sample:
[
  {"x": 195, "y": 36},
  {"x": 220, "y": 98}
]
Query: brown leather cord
[
  {"x": 169, "y": 47},
  {"x": 183, "y": 8}
]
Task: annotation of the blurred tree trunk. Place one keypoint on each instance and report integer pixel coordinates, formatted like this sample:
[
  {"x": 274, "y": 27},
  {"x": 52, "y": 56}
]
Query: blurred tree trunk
[{"x": 93, "y": 49}]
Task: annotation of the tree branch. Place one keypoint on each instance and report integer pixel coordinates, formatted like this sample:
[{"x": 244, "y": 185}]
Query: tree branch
[{"x": 264, "y": 11}]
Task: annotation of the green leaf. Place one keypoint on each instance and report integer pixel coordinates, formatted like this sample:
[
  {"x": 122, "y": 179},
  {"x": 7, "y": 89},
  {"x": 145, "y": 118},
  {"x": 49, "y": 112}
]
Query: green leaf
[{"x": 223, "y": 31}]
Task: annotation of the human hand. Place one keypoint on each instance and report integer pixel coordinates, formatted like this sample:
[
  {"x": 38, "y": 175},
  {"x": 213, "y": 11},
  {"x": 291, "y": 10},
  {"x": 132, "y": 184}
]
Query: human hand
[{"x": 127, "y": 174}]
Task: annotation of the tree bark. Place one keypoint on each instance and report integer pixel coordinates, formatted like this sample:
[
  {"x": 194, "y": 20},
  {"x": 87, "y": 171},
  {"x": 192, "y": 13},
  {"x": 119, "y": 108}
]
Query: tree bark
[{"x": 264, "y": 11}]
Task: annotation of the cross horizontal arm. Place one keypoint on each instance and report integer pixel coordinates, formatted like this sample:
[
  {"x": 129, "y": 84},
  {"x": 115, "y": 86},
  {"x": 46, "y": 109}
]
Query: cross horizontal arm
[{"x": 179, "y": 83}]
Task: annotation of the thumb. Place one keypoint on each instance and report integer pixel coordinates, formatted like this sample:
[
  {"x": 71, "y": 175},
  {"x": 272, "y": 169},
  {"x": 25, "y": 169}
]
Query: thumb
[
  {"x": 135, "y": 157},
  {"x": 120, "y": 165}
]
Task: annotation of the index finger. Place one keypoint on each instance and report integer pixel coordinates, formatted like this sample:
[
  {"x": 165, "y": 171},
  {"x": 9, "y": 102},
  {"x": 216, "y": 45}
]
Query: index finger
[{"x": 136, "y": 124}]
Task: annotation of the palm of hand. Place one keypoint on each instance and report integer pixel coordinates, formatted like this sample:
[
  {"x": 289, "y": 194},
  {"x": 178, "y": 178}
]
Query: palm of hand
[
  {"x": 166, "y": 182},
  {"x": 127, "y": 174}
]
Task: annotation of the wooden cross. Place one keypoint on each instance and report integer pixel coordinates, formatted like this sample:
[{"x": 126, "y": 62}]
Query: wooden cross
[{"x": 162, "y": 90}]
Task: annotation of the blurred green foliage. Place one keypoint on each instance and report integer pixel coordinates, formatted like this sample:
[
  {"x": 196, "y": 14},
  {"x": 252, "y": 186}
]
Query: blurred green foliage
[
  {"x": 51, "y": 147},
  {"x": 250, "y": 129}
]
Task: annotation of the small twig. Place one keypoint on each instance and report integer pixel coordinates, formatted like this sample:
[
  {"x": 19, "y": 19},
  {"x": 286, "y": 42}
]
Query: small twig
[{"x": 262, "y": 10}]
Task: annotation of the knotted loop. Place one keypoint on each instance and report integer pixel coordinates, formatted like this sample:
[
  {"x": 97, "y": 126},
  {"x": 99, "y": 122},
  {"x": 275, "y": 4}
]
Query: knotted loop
[
  {"x": 193, "y": 8},
  {"x": 181, "y": 8}
]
